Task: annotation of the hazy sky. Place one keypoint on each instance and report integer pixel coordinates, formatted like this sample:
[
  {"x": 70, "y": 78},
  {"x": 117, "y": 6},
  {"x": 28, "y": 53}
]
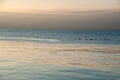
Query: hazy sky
[
  {"x": 60, "y": 14},
  {"x": 27, "y": 5}
]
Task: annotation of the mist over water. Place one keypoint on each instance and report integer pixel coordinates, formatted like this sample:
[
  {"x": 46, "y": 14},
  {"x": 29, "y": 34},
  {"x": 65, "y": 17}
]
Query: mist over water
[{"x": 100, "y": 20}]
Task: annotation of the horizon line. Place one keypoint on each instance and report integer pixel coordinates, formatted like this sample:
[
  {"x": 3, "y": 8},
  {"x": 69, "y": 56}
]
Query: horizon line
[{"x": 32, "y": 11}]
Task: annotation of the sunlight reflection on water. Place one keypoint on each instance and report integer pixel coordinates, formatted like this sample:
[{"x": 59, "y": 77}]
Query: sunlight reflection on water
[{"x": 28, "y": 61}]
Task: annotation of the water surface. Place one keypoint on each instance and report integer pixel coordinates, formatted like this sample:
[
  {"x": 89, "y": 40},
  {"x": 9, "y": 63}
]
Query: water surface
[{"x": 59, "y": 55}]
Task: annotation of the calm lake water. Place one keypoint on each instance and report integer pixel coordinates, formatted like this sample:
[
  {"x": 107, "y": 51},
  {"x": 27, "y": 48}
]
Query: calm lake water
[{"x": 59, "y": 55}]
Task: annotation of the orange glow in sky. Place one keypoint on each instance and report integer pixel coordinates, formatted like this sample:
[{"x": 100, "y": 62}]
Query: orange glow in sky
[{"x": 37, "y": 5}]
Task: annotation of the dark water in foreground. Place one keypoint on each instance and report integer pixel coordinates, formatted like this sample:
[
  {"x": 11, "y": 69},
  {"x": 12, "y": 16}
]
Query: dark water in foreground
[
  {"x": 32, "y": 71},
  {"x": 68, "y": 56}
]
